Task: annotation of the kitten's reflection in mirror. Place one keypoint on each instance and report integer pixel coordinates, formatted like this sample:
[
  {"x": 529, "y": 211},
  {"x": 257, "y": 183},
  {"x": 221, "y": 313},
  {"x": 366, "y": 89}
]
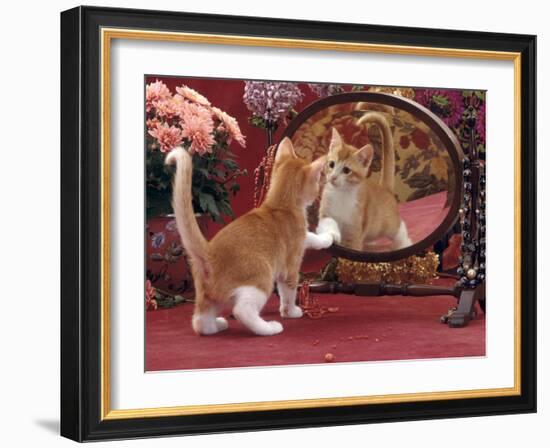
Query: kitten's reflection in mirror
[
  {"x": 364, "y": 210},
  {"x": 389, "y": 181}
]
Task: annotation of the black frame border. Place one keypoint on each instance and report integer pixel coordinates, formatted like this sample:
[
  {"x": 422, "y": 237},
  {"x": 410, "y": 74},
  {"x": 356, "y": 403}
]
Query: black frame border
[{"x": 81, "y": 223}]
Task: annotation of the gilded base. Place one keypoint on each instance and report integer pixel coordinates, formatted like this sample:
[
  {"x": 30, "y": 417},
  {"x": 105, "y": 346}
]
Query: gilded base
[{"x": 414, "y": 269}]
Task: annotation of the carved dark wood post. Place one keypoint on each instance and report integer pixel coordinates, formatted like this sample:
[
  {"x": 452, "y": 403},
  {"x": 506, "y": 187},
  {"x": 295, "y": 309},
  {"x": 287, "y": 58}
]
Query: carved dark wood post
[{"x": 472, "y": 265}]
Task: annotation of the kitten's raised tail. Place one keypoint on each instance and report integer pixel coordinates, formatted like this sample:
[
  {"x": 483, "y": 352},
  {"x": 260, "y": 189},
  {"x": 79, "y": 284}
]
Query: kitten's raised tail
[
  {"x": 388, "y": 162},
  {"x": 191, "y": 236}
]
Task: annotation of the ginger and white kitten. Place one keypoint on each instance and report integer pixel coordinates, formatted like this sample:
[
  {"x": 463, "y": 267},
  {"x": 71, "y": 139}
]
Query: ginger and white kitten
[
  {"x": 239, "y": 266},
  {"x": 363, "y": 209}
]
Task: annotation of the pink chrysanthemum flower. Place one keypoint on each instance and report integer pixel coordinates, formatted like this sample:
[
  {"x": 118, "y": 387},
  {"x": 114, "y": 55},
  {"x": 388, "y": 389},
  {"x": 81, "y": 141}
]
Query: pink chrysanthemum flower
[
  {"x": 230, "y": 125},
  {"x": 180, "y": 104},
  {"x": 155, "y": 91},
  {"x": 168, "y": 137},
  {"x": 152, "y": 123},
  {"x": 197, "y": 126},
  {"x": 192, "y": 95},
  {"x": 167, "y": 109}
]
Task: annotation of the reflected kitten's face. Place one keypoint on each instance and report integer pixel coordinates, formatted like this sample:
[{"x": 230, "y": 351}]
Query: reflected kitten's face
[{"x": 346, "y": 165}]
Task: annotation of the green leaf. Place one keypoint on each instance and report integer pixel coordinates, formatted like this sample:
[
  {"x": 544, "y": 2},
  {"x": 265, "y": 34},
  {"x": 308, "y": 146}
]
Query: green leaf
[
  {"x": 208, "y": 203},
  {"x": 259, "y": 122},
  {"x": 440, "y": 100},
  {"x": 230, "y": 164},
  {"x": 225, "y": 208},
  {"x": 203, "y": 171},
  {"x": 217, "y": 218},
  {"x": 480, "y": 94},
  {"x": 221, "y": 174},
  {"x": 214, "y": 188},
  {"x": 203, "y": 202}
]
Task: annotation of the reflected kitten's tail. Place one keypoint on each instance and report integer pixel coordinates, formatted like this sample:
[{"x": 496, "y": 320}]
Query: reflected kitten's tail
[
  {"x": 191, "y": 236},
  {"x": 388, "y": 161}
]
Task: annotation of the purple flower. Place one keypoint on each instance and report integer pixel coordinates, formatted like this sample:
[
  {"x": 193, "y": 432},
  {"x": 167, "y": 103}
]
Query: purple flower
[
  {"x": 271, "y": 100},
  {"x": 157, "y": 240},
  {"x": 324, "y": 90},
  {"x": 446, "y": 104}
]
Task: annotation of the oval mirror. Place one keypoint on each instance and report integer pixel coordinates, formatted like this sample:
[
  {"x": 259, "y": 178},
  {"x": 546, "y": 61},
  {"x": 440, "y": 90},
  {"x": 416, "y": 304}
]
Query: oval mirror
[{"x": 393, "y": 177}]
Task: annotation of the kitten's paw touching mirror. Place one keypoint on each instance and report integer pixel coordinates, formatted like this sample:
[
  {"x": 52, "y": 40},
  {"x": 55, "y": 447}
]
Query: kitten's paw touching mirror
[
  {"x": 318, "y": 242},
  {"x": 328, "y": 225}
]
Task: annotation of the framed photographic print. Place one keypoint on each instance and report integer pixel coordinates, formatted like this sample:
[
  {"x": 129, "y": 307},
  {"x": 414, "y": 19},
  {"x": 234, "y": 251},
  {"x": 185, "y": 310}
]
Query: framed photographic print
[{"x": 276, "y": 224}]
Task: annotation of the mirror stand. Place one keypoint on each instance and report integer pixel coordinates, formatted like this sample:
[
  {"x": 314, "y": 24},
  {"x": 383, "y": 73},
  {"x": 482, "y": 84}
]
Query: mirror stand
[
  {"x": 373, "y": 289},
  {"x": 458, "y": 316}
]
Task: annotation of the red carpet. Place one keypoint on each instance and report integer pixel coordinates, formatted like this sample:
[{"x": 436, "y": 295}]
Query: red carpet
[{"x": 363, "y": 329}]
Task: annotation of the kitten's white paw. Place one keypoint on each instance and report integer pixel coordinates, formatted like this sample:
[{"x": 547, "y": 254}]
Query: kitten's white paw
[
  {"x": 401, "y": 244},
  {"x": 294, "y": 312},
  {"x": 401, "y": 238},
  {"x": 274, "y": 328},
  {"x": 221, "y": 323},
  {"x": 325, "y": 240},
  {"x": 314, "y": 241},
  {"x": 206, "y": 324},
  {"x": 329, "y": 226}
]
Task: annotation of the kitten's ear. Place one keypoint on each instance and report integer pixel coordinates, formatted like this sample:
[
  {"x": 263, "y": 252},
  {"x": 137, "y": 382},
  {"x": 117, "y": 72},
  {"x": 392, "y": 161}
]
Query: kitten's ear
[
  {"x": 316, "y": 167},
  {"x": 285, "y": 149},
  {"x": 365, "y": 155},
  {"x": 335, "y": 140}
]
